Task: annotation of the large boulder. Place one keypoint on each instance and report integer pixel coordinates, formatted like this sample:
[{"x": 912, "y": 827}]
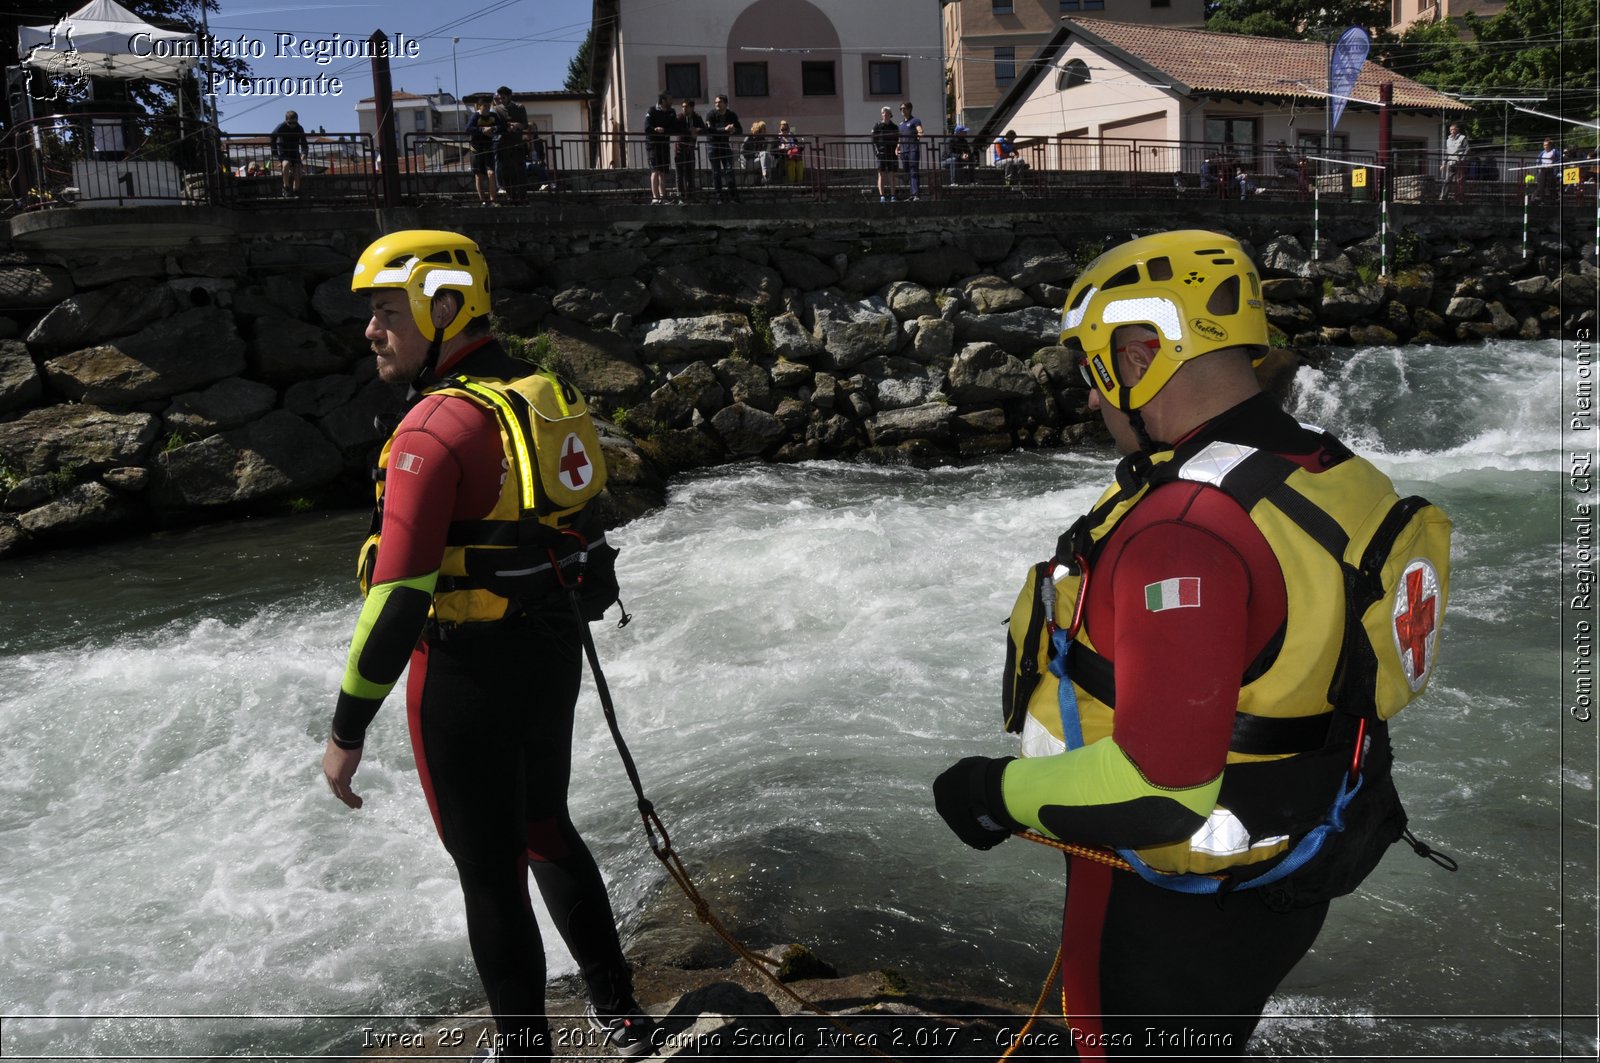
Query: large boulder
[
  {"x": 276, "y": 295},
  {"x": 599, "y": 302},
  {"x": 185, "y": 352},
  {"x": 600, "y": 363},
  {"x": 722, "y": 282},
  {"x": 910, "y": 389},
  {"x": 934, "y": 420},
  {"x": 82, "y": 438},
  {"x": 278, "y": 455},
  {"x": 800, "y": 270},
  {"x": 358, "y": 426},
  {"x": 85, "y": 507},
  {"x": 686, "y": 339},
  {"x": 851, "y": 331},
  {"x": 28, "y": 286},
  {"x": 90, "y": 317},
  {"x": 984, "y": 373},
  {"x": 337, "y": 307},
  {"x": 20, "y": 382},
  {"x": 1346, "y": 306},
  {"x": 940, "y": 265},
  {"x": 1021, "y": 331},
  {"x": 746, "y": 431},
  {"x": 988, "y": 294},
  {"x": 791, "y": 340},
  {"x": 224, "y": 405},
  {"x": 1284, "y": 256},
  {"x": 910, "y": 301},
  {"x": 935, "y": 342},
  {"x": 1412, "y": 287},
  {"x": 319, "y": 397},
  {"x": 1039, "y": 260},
  {"x": 283, "y": 350},
  {"x": 593, "y": 266},
  {"x": 745, "y": 382},
  {"x": 874, "y": 272}
]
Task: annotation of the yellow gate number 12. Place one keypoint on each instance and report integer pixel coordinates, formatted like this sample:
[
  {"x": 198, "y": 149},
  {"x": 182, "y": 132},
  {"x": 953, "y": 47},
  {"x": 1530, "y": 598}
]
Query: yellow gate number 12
[{"x": 1569, "y": 176}]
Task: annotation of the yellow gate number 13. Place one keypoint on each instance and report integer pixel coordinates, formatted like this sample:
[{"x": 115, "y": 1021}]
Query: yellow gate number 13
[{"x": 1358, "y": 177}]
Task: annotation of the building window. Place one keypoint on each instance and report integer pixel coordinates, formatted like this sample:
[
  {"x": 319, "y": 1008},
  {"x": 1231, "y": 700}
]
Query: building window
[
  {"x": 750, "y": 79},
  {"x": 1083, "y": 5},
  {"x": 421, "y": 119},
  {"x": 1237, "y": 137},
  {"x": 817, "y": 79},
  {"x": 1075, "y": 72},
  {"x": 1001, "y": 7},
  {"x": 883, "y": 78},
  {"x": 683, "y": 81},
  {"x": 1005, "y": 66}
]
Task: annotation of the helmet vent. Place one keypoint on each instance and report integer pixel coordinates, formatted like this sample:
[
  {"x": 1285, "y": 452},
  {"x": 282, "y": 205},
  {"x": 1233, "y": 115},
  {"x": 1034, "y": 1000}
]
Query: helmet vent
[
  {"x": 1160, "y": 269},
  {"x": 1222, "y": 262},
  {"x": 1123, "y": 279},
  {"x": 461, "y": 258},
  {"x": 439, "y": 256},
  {"x": 1224, "y": 300}
]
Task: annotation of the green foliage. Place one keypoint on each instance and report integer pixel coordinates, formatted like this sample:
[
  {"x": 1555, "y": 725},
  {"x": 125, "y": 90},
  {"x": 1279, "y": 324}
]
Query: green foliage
[
  {"x": 581, "y": 66},
  {"x": 1533, "y": 48},
  {"x": 1327, "y": 287},
  {"x": 761, "y": 327},
  {"x": 537, "y": 349},
  {"x": 299, "y": 504},
  {"x": 1367, "y": 272},
  {"x": 9, "y": 478},
  {"x": 174, "y": 441},
  {"x": 1296, "y": 19},
  {"x": 61, "y": 480},
  {"x": 1407, "y": 249}
]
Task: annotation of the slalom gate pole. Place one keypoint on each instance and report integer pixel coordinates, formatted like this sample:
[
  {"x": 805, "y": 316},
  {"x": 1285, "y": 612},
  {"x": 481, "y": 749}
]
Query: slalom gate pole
[
  {"x": 1383, "y": 234},
  {"x": 1316, "y": 219},
  {"x": 1525, "y": 199}
]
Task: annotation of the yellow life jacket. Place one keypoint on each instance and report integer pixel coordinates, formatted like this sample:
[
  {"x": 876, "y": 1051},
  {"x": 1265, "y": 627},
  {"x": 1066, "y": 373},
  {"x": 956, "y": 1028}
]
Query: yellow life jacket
[
  {"x": 1366, "y": 575},
  {"x": 541, "y": 537}
]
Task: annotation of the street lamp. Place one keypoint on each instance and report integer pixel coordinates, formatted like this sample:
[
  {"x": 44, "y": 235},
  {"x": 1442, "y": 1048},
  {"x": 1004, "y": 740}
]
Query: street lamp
[{"x": 453, "y": 42}]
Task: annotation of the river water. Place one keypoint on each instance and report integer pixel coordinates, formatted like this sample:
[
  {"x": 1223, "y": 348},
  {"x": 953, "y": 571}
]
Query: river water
[{"x": 811, "y": 645}]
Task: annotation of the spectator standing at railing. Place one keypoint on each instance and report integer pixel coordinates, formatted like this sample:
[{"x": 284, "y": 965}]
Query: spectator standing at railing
[
  {"x": 1284, "y": 163},
  {"x": 791, "y": 155},
  {"x": 1243, "y": 183},
  {"x": 1453, "y": 171},
  {"x": 885, "y": 134},
  {"x": 538, "y": 159},
  {"x": 687, "y": 147},
  {"x": 482, "y": 129},
  {"x": 758, "y": 151},
  {"x": 659, "y": 123},
  {"x": 289, "y": 148},
  {"x": 1006, "y": 156},
  {"x": 510, "y": 153},
  {"x": 1549, "y": 164},
  {"x": 958, "y": 157},
  {"x": 722, "y": 123},
  {"x": 910, "y": 147}
]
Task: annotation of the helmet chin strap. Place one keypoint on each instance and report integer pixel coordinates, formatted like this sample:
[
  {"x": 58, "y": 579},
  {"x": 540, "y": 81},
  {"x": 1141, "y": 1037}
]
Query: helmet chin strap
[
  {"x": 428, "y": 375},
  {"x": 1146, "y": 443}
]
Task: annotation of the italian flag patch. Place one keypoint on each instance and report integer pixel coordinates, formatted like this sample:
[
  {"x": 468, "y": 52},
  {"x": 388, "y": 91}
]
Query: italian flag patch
[{"x": 1180, "y": 593}]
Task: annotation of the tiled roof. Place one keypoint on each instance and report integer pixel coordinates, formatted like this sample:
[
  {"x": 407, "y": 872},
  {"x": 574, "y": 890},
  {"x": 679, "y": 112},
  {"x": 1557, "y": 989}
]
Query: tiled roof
[{"x": 1230, "y": 63}]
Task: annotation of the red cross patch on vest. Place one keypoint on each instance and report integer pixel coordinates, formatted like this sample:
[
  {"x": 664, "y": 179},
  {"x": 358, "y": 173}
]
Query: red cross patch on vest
[
  {"x": 1416, "y": 620},
  {"x": 576, "y": 469}
]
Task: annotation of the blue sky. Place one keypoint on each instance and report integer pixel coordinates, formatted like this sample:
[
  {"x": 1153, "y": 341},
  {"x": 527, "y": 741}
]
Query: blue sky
[{"x": 525, "y": 44}]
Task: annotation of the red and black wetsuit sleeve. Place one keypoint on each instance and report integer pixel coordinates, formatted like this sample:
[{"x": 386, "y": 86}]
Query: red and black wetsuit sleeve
[
  {"x": 445, "y": 464},
  {"x": 1183, "y": 596}
]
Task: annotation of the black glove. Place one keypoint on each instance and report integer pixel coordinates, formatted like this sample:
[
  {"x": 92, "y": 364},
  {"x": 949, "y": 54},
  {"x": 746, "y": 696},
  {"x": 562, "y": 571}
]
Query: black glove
[{"x": 968, "y": 796}]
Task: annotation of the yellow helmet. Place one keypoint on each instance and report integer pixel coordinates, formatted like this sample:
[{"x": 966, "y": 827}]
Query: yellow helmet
[
  {"x": 422, "y": 263},
  {"x": 1197, "y": 290}
]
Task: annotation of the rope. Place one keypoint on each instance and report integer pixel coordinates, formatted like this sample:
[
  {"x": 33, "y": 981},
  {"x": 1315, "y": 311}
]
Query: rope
[
  {"x": 1038, "y": 1005},
  {"x": 1099, "y": 856},
  {"x": 661, "y": 847}
]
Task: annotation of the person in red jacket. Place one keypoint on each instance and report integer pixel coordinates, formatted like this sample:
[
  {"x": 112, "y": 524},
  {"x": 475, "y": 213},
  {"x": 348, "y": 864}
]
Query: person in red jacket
[
  {"x": 1195, "y": 727},
  {"x": 494, "y": 678}
]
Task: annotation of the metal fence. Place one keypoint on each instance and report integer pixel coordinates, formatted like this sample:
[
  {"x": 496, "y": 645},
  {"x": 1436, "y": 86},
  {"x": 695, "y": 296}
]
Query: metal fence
[{"x": 116, "y": 158}]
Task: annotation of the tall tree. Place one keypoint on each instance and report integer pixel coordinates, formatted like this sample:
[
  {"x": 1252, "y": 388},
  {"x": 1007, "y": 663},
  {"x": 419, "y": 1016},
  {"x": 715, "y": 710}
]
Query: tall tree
[
  {"x": 1296, "y": 19},
  {"x": 1535, "y": 48},
  {"x": 579, "y": 68}
]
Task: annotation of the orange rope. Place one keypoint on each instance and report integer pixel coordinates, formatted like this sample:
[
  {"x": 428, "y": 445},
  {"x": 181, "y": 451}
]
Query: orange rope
[{"x": 1087, "y": 852}]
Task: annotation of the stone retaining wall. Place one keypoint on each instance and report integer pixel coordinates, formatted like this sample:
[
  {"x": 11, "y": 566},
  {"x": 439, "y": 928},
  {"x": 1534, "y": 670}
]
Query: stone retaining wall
[{"x": 174, "y": 380}]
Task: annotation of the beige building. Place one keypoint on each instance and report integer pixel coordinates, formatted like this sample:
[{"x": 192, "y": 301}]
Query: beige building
[
  {"x": 1121, "y": 96},
  {"x": 989, "y": 41},
  {"x": 827, "y": 66},
  {"x": 1403, "y": 14}
]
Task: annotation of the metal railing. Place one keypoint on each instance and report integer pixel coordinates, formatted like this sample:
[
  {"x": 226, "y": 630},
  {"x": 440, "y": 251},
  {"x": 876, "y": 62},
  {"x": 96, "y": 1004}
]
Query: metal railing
[{"x": 120, "y": 158}]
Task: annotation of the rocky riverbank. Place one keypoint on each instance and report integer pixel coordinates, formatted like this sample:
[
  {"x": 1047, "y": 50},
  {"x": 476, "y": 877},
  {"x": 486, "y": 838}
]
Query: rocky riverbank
[{"x": 209, "y": 380}]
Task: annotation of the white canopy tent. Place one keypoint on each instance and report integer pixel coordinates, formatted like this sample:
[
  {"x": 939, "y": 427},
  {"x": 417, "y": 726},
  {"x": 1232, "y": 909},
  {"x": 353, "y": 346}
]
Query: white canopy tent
[{"x": 99, "y": 40}]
